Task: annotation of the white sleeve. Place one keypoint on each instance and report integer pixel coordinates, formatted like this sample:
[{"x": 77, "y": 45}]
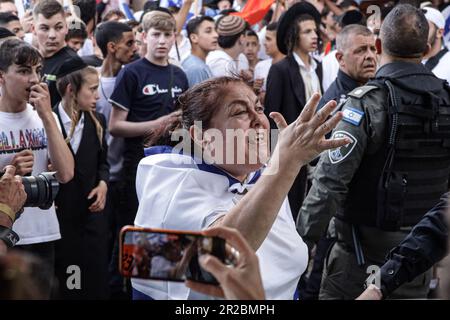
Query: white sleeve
[
  {"x": 171, "y": 198},
  {"x": 220, "y": 67}
]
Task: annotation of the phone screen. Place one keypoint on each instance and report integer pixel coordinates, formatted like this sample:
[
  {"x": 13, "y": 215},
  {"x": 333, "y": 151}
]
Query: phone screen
[{"x": 167, "y": 255}]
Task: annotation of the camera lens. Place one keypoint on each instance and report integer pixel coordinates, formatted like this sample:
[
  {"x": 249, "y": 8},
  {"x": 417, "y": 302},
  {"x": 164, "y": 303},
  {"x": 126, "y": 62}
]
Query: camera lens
[{"x": 41, "y": 190}]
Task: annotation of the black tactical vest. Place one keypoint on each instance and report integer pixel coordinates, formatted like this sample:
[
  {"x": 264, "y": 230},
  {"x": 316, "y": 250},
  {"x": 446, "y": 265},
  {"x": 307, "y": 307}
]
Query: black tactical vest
[{"x": 405, "y": 178}]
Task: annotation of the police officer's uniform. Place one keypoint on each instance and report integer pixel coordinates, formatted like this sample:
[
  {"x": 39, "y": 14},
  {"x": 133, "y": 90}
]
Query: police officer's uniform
[
  {"x": 339, "y": 89},
  {"x": 310, "y": 284},
  {"x": 419, "y": 251},
  {"x": 377, "y": 201}
]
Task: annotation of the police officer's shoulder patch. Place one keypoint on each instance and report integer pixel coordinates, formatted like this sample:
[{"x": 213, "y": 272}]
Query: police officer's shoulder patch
[
  {"x": 352, "y": 115},
  {"x": 361, "y": 91},
  {"x": 339, "y": 154}
]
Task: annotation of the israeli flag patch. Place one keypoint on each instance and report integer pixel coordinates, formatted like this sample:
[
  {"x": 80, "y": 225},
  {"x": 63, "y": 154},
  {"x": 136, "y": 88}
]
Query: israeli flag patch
[{"x": 353, "y": 116}]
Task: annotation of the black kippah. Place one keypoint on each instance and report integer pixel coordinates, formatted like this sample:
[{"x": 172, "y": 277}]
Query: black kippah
[
  {"x": 70, "y": 65},
  {"x": 5, "y": 33}
]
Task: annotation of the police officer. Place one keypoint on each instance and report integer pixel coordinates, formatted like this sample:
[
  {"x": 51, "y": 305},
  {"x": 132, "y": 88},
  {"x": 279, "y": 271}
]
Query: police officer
[
  {"x": 395, "y": 169},
  {"x": 356, "y": 55}
]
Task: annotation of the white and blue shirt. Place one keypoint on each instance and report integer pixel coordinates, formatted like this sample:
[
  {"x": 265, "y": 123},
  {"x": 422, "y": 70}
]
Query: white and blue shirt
[{"x": 177, "y": 192}]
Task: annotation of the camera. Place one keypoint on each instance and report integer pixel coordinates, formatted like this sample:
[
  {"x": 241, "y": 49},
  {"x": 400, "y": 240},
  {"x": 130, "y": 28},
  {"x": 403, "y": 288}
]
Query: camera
[{"x": 41, "y": 190}]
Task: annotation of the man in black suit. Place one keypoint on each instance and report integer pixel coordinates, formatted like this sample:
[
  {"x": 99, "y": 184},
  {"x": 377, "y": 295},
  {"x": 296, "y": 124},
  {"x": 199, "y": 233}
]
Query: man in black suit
[{"x": 293, "y": 80}]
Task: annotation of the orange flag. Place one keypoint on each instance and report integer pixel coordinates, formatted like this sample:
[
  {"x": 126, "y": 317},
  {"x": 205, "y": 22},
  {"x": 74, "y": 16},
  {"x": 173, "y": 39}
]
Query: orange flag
[{"x": 255, "y": 10}]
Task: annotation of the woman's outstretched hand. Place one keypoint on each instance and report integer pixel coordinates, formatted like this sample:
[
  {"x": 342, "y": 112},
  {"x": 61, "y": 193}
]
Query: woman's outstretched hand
[{"x": 304, "y": 139}]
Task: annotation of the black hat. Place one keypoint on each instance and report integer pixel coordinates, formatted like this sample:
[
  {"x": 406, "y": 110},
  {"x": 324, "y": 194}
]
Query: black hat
[
  {"x": 5, "y": 33},
  {"x": 70, "y": 65},
  {"x": 350, "y": 17},
  {"x": 288, "y": 18}
]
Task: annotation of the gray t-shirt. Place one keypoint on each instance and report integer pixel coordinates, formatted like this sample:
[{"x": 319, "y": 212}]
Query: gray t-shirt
[
  {"x": 196, "y": 70},
  {"x": 115, "y": 144}
]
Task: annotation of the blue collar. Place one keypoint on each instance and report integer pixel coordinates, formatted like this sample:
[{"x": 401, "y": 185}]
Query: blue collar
[{"x": 234, "y": 185}]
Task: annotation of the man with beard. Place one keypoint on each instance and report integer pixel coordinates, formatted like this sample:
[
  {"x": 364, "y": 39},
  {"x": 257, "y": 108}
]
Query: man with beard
[{"x": 438, "y": 59}]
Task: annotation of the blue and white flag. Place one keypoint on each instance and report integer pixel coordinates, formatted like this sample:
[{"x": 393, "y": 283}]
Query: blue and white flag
[
  {"x": 446, "y": 14},
  {"x": 125, "y": 8},
  {"x": 195, "y": 8}
]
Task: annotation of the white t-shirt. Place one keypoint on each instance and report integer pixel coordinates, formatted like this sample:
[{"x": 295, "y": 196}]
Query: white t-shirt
[
  {"x": 19, "y": 131},
  {"x": 222, "y": 64},
  {"x": 330, "y": 68},
  {"x": 175, "y": 193},
  {"x": 262, "y": 71}
]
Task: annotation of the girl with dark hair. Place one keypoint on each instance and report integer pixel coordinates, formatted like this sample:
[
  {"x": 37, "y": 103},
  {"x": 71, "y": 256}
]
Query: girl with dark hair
[
  {"x": 220, "y": 175},
  {"x": 82, "y": 250}
]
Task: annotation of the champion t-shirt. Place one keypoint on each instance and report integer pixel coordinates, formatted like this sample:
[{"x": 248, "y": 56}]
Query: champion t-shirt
[{"x": 142, "y": 89}]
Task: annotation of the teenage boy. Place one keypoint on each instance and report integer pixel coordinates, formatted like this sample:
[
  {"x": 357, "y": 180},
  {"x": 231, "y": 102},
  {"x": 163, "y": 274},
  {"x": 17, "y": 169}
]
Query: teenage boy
[
  {"x": 50, "y": 29},
  {"x": 77, "y": 34},
  {"x": 251, "y": 49},
  {"x": 117, "y": 42},
  {"x": 12, "y": 23},
  {"x": 270, "y": 44},
  {"x": 228, "y": 59},
  {"x": 143, "y": 100},
  {"x": 293, "y": 80},
  {"x": 202, "y": 34},
  {"x": 31, "y": 140}
]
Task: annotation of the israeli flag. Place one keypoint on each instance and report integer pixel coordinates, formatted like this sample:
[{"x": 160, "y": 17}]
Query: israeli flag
[
  {"x": 194, "y": 11},
  {"x": 22, "y": 5},
  {"x": 125, "y": 7},
  {"x": 195, "y": 8},
  {"x": 446, "y": 14}
]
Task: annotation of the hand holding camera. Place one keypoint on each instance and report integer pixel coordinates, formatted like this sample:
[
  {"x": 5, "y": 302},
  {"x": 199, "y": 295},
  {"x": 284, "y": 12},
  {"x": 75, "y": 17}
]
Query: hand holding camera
[
  {"x": 23, "y": 162},
  {"x": 12, "y": 192}
]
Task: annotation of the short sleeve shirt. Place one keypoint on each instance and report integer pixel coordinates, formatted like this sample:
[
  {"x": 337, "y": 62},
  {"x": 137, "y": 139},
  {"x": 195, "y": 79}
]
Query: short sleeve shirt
[{"x": 142, "y": 89}]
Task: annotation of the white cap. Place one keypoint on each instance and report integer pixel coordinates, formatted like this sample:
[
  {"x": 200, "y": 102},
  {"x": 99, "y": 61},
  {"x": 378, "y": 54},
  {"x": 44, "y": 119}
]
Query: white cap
[{"x": 435, "y": 16}]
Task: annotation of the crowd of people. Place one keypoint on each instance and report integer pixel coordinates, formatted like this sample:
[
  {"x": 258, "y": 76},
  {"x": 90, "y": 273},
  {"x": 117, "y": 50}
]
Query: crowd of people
[{"x": 315, "y": 140}]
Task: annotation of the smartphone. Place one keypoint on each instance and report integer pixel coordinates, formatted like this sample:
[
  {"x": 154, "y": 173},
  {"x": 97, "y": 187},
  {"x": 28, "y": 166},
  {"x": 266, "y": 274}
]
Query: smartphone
[{"x": 168, "y": 255}]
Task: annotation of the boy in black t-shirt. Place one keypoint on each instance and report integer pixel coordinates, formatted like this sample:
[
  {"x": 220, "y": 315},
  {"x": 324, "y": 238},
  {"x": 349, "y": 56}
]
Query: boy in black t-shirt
[
  {"x": 50, "y": 29},
  {"x": 143, "y": 99}
]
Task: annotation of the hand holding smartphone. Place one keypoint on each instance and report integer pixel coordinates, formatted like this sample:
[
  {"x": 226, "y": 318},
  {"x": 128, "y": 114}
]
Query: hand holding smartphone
[{"x": 169, "y": 255}]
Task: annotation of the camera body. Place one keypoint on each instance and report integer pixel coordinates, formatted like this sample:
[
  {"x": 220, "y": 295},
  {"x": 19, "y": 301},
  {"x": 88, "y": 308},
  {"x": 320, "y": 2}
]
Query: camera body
[{"x": 41, "y": 190}]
